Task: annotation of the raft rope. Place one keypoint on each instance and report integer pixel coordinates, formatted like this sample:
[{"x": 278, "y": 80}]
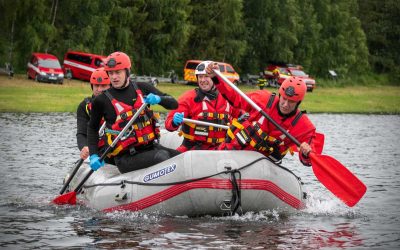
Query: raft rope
[
  {"x": 234, "y": 175},
  {"x": 236, "y": 200},
  {"x": 228, "y": 171}
]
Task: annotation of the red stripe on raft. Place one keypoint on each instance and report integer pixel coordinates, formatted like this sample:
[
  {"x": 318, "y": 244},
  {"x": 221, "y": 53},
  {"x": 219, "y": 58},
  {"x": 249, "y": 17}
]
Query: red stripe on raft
[{"x": 210, "y": 183}]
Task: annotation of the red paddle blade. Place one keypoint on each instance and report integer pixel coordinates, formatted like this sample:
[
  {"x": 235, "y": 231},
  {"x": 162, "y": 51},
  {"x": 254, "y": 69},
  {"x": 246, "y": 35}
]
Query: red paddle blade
[
  {"x": 68, "y": 198},
  {"x": 338, "y": 179}
]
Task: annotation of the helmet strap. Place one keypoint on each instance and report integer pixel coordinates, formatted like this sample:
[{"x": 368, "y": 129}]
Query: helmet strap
[{"x": 126, "y": 82}]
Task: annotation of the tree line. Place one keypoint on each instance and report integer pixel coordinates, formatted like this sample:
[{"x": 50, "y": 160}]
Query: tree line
[{"x": 348, "y": 36}]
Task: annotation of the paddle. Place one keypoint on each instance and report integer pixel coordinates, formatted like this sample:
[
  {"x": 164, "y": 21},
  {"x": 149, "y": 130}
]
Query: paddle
[
  {"x": 330, "y": 172},
  {"x": 77, "y": 166},
  {"x": 70, "y": 198},
  {"x": 205, "y": 123}
]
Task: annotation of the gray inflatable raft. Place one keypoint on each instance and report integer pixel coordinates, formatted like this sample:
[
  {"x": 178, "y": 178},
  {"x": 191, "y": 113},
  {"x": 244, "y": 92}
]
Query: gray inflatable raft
[{"x": 195, "y": 183}]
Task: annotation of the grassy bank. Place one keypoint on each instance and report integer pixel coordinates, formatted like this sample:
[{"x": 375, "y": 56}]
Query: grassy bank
[{"x": 22, "y": 95}]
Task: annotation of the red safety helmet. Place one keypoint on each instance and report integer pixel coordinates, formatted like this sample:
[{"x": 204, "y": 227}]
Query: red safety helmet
[
  {"x": 293, "y": 88},
  {"x": 117, "y": 61},
  {"x": 99, "y": 77}
]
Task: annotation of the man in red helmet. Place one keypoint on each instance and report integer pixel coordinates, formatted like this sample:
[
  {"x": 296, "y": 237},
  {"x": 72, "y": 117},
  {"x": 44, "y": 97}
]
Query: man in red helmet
[
  {"x": 257, "y": 133},
  {"x": 206, "y": 104},
  {"x": 99, "y": 82},
  {"x": 138, "y": 148}
]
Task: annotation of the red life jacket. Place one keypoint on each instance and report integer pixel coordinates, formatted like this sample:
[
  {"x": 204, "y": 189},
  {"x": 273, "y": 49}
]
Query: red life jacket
[
  {"x": 214, "y": 111},
  {"x": 259, "y": 134},
  {"x": 144, "y": 130}
]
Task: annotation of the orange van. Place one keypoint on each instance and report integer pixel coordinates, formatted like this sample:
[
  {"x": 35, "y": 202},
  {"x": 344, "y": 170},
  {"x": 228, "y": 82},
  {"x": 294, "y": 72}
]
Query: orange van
[{"x": 225, "y": 68}]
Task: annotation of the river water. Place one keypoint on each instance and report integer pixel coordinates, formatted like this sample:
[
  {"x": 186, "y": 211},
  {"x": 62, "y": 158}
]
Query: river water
[{"x": 37, "y": 150}]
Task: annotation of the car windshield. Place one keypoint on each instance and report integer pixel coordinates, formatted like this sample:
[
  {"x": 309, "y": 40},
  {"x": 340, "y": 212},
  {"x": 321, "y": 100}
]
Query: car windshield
[
  {"x": 297, "y": 72},
  {"x": 230, "y": 69},
  {"x": 283, "y": 71},
  {"x": 52, "y": 64},
  {"x": 192, "y": 65}
]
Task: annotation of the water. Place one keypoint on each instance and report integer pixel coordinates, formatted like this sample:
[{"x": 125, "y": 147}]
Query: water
[{"x": 37, "y": 150}]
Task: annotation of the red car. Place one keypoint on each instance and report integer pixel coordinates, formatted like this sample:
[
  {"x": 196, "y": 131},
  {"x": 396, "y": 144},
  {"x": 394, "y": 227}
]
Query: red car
[
  {"x": 80, "y": 65},
  {"x": 45, "y": 68},
  {"x": 276, "y": 74}
]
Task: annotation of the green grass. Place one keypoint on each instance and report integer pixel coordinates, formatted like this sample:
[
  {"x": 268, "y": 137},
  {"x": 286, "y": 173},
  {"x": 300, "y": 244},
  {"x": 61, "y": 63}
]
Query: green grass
[
  {"x": 360, "y": 80},
  {"x": 354, "y": 99},
  {"x": 22, "y": 95}
]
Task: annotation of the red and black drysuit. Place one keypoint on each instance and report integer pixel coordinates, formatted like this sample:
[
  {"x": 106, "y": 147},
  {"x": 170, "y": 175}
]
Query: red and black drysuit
[
  {"x": 203, "y": 106},
  {"x": 82, "y": 120},
  {"x": 138, "y": 148},
  {"x": 257, "y": 133}
]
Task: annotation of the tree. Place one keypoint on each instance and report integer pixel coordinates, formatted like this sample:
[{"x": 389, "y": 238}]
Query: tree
[
  {"x": 273, "y": 30},
  {"x": 83, "y": 25},
  {"x": 259, "y": 27},
  {"x": 217, "y": 31},
  {"x": 381, "y": 23},
  {"x": 342, "y": 44},
  {"x": 7, "y": 32},
  {"x": 161, "y": 35},
  {"x": 308, "y": 36},
  {"x": 33, "y": 30}
]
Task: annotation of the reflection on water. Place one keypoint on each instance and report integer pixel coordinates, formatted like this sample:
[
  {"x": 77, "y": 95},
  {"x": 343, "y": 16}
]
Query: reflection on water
[{"x": 37, "y": 150}]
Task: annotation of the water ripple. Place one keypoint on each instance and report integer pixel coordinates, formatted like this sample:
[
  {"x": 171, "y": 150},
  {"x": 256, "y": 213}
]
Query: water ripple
[{"x": 38, "y": 149}]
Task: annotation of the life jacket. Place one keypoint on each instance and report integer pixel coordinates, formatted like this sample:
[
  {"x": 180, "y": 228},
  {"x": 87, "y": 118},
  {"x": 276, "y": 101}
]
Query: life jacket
[
  {"x": 276, "y": 73},
  {"x": 212, "y": 114},
  {"x": 261, "y": 82},
  {"x": 88, "y": 106},
  {"x": 144, "y": 130},
  {"x": 256, "y": 136},
  {"x": 88, "y": 109}
]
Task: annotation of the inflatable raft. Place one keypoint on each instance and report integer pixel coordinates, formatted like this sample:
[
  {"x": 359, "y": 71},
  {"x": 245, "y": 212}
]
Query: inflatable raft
[{"x": 195, "y": 183}]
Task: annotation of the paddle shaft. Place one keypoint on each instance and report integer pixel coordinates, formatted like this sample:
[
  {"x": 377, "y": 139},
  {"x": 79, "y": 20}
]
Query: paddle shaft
[
  {"x": 205, "y": 123},
  {"x": 255, "y": 106},
  {"x": 116, "y": 140},
  {"x": 77, "y": 166}
]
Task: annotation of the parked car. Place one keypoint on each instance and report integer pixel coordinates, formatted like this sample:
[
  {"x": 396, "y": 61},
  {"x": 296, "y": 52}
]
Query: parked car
[
  {"x": 277, "y": 73},
  {"x": 249, "y": 79},
  {"x": 148, "y": 79},
  {"x": 170, "y": 78},
  {"x": 7, "y": 70},
  {"x": 310, "y": 82},
  {"x": 80, "y": 65},
  {"x": 225, "y": 68},
  {"x": 45, "y": 68}
]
